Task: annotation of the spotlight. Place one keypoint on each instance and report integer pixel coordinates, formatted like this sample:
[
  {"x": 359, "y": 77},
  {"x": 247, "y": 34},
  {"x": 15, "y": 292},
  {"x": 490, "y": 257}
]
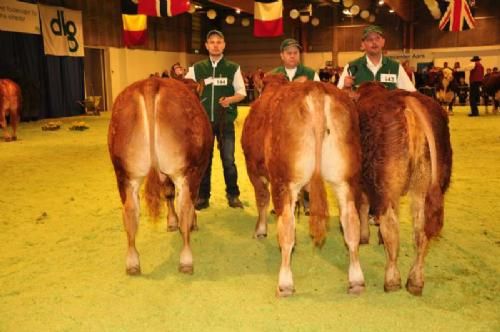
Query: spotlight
[
  {"x": 380, "y": 2},
  {"x": 211, "y": 14},
  {"x": 294, "y": 13},
  {"x": 315, "y": 21}
]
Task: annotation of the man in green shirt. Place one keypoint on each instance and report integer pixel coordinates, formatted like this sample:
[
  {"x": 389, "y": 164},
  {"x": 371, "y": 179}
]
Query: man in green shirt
[
  {"x": 290, "y": 57},
  {"x": 373, "y": 66},
  {"x": 223, "y": 89}
]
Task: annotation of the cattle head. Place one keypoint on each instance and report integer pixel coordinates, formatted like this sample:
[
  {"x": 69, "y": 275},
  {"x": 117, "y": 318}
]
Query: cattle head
[{"x": 197, "y": 88}]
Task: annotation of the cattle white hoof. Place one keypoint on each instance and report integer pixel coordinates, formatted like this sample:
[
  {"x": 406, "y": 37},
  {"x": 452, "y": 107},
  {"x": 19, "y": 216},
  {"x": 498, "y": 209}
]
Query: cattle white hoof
[
  {"x": 133, "y": 270},
  {"x": 285, "y": 291},
  {"x": 260, "y": 236},
  {"x": 414, "y": 289},
  {"x": 186, "y": 269},
  {"x": 356, "y": 289}
]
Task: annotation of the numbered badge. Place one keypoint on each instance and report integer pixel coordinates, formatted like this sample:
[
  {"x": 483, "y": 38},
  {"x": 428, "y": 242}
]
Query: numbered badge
[
  {"x": 220, "y": 81},
  {"x": 388, "y": 78}
]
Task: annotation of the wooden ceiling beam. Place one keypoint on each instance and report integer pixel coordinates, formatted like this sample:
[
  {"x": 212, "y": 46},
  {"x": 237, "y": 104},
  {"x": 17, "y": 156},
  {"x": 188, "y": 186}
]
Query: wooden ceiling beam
[
  {"x": 402, "y": 8},
  {"x": 243, "y": 5}
]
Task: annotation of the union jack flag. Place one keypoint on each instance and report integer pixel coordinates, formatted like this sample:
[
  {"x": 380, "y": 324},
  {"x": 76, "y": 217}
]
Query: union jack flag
[{"x": 457, "y": 17}]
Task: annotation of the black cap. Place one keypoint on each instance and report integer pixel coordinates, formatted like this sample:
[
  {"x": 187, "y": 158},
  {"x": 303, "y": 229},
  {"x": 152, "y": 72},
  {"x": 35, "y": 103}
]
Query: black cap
[{"x": 215, "y": 32}]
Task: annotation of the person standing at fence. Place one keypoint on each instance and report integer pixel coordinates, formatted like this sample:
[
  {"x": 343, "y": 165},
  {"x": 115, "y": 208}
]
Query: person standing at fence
[
  {"x": 223, "y": 89},
  {"x": 475, "y": 80}
]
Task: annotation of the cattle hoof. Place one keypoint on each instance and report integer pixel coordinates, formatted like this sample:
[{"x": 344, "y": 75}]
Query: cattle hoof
[
  {"x": 356, "y": 289},
  {"x": 392, "y": 287},
  {"x": 8, "y": 139},
  {"x": 171, "y": 228},
  {"x": 187, "y": 269},
  {"x": 260, "y": 236},
  {"x": 194, "y": 228},
  {"x": 364, "y": 240},
  {"x": 414, "y": 289},
  {"x": 133, "y": 271},
  {"x": 285, "y": 291}
]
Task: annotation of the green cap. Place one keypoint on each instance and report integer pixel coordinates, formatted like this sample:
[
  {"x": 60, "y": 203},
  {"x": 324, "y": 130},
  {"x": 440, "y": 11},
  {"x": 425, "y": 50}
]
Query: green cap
[
  {"x": 215, "y": 32},
  {"x": 370, "y": 29},
  {"x": 288, "y": 43}
]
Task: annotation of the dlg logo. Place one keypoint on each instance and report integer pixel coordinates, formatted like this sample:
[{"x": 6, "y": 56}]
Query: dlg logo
[{"x": 60, "y": 27}]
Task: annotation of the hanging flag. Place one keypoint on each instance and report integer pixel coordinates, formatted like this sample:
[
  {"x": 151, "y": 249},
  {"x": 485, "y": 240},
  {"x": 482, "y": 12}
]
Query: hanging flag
[
  {"x": 268, "y": 18},
  {"x": 135, "y": 29},
  {"x": 457, "y": 17},
  {"x": 163, "y": 7}
]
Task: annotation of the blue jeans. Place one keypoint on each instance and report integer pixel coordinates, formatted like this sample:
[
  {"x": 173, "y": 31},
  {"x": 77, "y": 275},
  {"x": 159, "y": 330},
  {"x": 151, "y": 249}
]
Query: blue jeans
[{"x": 225, "y": 143}]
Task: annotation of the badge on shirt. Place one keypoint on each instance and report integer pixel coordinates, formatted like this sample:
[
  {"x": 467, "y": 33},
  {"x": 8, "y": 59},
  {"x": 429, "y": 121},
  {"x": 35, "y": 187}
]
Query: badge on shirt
[
  {"x": 220, "y": 81},
  {"x": 388, "y": 78},
  {"x": 208, "y": 81}
]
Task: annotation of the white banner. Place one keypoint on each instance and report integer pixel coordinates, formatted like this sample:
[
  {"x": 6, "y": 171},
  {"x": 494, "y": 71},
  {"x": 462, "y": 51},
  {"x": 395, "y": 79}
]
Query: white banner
[
  {"x": 18, "y": 16},
  {"x": 62, "y": 31}
]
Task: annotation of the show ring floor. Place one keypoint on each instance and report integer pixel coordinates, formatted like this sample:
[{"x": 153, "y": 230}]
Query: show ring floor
[{"x": 62, "y": 250}]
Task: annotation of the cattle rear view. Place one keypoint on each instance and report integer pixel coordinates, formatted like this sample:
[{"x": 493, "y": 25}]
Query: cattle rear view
[
  {"x": 159, "y": 131},
  {"x": 406, "y": 150}
]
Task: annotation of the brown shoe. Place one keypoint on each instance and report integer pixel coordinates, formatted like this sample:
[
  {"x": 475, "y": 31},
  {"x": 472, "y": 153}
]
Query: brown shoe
[{"x": 234, "y": 202}]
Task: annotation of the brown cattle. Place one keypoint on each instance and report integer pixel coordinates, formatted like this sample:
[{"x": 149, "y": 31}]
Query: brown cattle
[
  {"x": 10, "y": 104},
  {"x": 406, "y": 150},
  {"x": 159, "y": 129},
  {"x": 298, "y": 134}
]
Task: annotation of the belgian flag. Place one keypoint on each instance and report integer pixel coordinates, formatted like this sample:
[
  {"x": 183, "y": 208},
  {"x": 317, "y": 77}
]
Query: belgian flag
[
  {"x": 135, "y": 27},
  {"x": 268, "y": 18}
]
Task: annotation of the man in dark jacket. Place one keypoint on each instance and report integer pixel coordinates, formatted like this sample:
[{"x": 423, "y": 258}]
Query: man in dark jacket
[{"x": 475, "y": 79}]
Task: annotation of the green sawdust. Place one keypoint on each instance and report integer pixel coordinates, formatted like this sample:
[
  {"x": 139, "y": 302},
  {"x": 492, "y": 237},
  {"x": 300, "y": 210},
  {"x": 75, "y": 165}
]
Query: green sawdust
[{"x": 62, "y": 251}]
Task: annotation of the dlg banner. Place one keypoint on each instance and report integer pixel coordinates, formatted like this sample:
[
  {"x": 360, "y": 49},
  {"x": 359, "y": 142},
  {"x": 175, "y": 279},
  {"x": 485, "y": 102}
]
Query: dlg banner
[{"x": 62, "y": 31}]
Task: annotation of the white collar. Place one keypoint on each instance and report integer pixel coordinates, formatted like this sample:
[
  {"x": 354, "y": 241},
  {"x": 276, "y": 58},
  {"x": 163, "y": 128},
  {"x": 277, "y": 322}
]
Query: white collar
[
  {"x": 290, "y": 72},
  {"x": 374, "y": 68}
]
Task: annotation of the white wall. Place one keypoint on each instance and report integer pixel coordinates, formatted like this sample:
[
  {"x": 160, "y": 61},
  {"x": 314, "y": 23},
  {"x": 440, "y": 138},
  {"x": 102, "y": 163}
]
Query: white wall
[{"x": 125, "y": 66}]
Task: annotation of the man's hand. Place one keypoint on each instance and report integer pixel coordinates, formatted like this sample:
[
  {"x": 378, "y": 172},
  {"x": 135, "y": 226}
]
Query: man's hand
[
  {"x": 348, "y": 82},
  {"x": 225, "y": 101}
]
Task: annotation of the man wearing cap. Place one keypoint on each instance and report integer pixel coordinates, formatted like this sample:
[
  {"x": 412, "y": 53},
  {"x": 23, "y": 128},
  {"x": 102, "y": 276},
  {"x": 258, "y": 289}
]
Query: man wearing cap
[
  {"x": 373, "y": 66},
  {"x": 292, "y": 68},
  {"x": 223, "y": 89},
  {"x": 475, "y": 80}
]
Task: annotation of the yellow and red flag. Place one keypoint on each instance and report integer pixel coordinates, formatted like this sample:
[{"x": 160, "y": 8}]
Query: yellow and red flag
[
  {"x": 268, "y": 18},
  {"x": 135, "y": 29}
]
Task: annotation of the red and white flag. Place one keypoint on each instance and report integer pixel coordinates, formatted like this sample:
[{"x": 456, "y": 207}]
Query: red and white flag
[
  {"x": 457, "y": 17},
  {"x": 268, "y": 18},
  {"x": 162, "y": 7}
]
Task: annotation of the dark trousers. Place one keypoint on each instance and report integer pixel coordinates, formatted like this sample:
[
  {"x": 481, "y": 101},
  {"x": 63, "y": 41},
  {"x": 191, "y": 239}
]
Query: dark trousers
[
  {"x": 474, "y": 97},
  {"x": 225, "y": 144}
]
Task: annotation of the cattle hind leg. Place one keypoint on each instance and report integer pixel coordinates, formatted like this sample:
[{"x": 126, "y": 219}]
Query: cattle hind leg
[
  {"x": 286, "y": 239},
  {"x": 172, "y": 219},
  {"x": 415, "y": 282},
  {"x": 129, "y": 191},
  {"x": 262, "y": 197},
  {"x": 349, "y": 219},
  {"x": 389, "y": 229},
  {"x": 186, "y": 219}
]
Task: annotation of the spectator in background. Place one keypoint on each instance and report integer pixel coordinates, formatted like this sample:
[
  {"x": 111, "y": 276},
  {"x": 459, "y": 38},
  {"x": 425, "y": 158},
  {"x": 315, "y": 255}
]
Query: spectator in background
[
  {"x": 409, "y": 71},
  {"x": 475, "y": 79},
  {"x": 458, "y": 72},
  {"x": 164, "y": 74},
  {"x": 463, "y": 91}
]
